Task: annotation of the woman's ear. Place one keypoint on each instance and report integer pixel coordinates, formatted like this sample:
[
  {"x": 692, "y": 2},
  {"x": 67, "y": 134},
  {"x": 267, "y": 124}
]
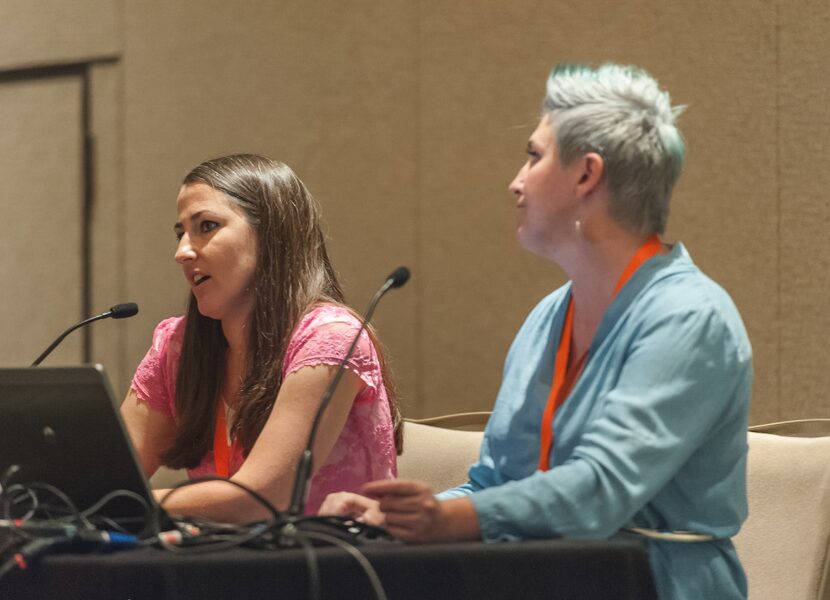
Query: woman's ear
[{"x": 591, "y": 169}]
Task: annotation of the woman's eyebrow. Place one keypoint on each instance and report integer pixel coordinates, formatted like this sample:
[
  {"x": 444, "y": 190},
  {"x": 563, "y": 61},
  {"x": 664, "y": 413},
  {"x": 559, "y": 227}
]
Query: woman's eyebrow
[{"x": 195, "y": 216}]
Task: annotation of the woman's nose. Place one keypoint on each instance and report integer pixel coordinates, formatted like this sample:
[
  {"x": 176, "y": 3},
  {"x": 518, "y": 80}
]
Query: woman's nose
[
  {"x": 184, "y": 251},
  {"x": 518, "y": 181}
]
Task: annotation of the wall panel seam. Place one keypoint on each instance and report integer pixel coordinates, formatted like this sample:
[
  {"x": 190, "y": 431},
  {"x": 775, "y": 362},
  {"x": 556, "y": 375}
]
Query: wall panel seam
[{"x": 778, "y": 207}]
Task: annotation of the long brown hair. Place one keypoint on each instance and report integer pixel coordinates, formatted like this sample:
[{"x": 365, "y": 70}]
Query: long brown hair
[{"x": 293, "y": 273}]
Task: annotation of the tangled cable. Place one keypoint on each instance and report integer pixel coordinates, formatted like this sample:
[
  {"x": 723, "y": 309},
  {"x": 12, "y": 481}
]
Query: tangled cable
[{"x": 40, "y": 519}]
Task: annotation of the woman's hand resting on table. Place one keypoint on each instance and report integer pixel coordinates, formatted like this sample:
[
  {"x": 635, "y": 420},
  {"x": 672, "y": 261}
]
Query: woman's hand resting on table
[
  {"x": 408, "y": 510},
  {"x": 360, "y": 508}
]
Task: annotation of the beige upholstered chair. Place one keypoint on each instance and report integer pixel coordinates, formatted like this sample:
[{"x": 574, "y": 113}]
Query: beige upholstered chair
[
  {"x": 784, "y": 543},
  {"x": 165, "y": 477},
  {"x": 439, "y": 451}
]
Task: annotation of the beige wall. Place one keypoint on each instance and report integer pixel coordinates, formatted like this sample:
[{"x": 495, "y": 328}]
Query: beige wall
[
  {"x": 407, "y": 119},
  {"x": 55, "y": 63},
  {"x": 41, "y": 241},
  {"x": 41, "y": 32}
]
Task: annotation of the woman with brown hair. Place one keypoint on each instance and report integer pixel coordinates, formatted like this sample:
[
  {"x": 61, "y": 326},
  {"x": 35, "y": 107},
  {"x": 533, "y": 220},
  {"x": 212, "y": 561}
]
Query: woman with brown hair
[{"x": 232, "y": 387}]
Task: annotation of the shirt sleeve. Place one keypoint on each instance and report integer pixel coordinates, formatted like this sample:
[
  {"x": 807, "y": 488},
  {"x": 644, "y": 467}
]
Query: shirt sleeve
[
  {"x": 154, "y": 379},
  {"x": 326, "y": 342},
  {"x": 677, "y": 383}
]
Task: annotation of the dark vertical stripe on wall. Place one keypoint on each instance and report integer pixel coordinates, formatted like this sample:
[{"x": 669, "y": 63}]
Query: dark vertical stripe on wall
[
  {"x": 779, "y": 315},
  {"x": 88, "y": 187}
]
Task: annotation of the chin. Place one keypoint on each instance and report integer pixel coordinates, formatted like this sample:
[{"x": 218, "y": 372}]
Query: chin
[
  {"x": 208, "y": 311},
  {"x": 536, "y": 248},
  {"x": 526, "y": 241}
]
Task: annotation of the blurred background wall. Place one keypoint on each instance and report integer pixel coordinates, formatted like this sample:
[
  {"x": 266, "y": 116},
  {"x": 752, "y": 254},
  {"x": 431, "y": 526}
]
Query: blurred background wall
[{"x": 407, "y": 119}]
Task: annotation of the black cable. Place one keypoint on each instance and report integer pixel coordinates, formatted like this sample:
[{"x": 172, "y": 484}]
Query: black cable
[
  {"x": 31, "y": 538},
  {"x": 13, "y": 542},
  {"x": 8, "y": 474},
  {"x": 109, "y": 524},
  {"x": 16, "y": 540},
  {"x": 112, "y": 496},
  {"x": 7, "y": 567},
  {"x": 8, "y": 501},
  {"x": 66, "y": 500},
  {"x": 311, "y": 564},
  {"x": 371, "y": 574},
  {"x": 211, "y": 536},
  {"x": 212, "y": 541},
  {"x": 149, "y": 513}
]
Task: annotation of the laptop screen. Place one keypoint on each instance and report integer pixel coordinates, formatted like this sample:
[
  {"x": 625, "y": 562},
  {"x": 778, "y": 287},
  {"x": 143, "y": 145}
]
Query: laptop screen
[{"x": 61, "y": 426}]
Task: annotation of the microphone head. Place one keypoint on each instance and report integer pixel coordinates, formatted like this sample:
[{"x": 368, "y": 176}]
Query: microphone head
[
  {"x": 398, "y": 277},
  {"x": 122, "y": 311}
]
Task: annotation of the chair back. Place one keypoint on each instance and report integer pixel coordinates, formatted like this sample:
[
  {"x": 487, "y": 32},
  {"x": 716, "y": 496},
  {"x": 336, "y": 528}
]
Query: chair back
[
  {"x": 438, "y": 455},
  {"x": 783, "y": 544},
  {"x": 166, "y": 477},
  {"x": 438, "y": 450}
]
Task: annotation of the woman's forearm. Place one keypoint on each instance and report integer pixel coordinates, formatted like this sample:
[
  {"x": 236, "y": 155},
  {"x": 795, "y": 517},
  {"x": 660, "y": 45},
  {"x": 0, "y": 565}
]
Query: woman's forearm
[{"x": 218, "y": 501}]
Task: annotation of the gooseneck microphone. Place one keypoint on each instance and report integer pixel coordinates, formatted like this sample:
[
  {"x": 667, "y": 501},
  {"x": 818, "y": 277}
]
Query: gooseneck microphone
[
  {"x": 119, "y": 311},
  {"x": 396, "y": 279}
]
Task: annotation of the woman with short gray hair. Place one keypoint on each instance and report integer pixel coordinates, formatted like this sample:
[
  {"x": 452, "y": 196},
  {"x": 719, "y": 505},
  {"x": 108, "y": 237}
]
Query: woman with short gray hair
[{"x": 623, "y": 406}]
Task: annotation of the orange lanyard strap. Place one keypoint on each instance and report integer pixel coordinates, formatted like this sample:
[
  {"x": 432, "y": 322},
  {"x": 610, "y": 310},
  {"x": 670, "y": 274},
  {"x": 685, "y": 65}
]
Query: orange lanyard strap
[
  {"x": 556, "y": 396},
  {"x": 649, "y": 248},
  {"x": 220, "y": 442},
  {"x": 564, "y": 378}
]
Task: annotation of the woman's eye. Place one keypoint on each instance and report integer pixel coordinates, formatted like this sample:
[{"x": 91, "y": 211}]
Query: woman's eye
[
  {"x": 208, "y": 226},
  {"x": 179, "y": 235},
  {"x": 533, "y": 156}
]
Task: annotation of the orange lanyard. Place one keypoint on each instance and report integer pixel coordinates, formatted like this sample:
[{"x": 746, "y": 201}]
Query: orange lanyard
[
  {"x": 221, "y": 452},
  {"x": 564, "y": 378}
]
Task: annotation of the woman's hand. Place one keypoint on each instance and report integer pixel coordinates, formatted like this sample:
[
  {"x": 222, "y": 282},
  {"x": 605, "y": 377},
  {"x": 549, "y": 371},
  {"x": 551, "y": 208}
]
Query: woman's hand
[
  {"x": 413, "y": 514},
  {"x": 360, "y": 508}
]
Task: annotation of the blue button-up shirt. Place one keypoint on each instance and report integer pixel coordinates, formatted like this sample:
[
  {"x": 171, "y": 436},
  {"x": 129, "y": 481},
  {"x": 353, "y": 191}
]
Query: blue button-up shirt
[{"x": 653, "y": 434}]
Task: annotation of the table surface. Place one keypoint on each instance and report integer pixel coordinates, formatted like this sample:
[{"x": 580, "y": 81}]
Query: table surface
[{"x": 560, "y": 569}]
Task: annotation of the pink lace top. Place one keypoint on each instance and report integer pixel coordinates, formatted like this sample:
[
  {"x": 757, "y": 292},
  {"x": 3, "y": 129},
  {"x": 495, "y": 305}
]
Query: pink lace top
[{"x": 365, "y": 450}]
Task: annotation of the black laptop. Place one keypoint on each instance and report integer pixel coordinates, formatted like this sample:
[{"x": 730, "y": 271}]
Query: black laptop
[{"x": 61, "y": 426}]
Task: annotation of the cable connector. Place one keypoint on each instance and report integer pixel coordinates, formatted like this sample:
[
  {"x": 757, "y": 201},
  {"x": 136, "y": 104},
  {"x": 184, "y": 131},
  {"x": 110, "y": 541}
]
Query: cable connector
[
  {"x": 81, "y": 540},
  {"x": 32, "y": 551}
]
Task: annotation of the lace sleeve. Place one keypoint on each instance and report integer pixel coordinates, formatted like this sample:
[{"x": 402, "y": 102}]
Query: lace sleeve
[
  {"x": 154, "y": 381},
  {"x": 324, "y": 339}
]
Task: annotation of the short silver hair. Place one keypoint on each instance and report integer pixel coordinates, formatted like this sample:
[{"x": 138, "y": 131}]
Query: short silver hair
[{"x": 620, "y": 113}]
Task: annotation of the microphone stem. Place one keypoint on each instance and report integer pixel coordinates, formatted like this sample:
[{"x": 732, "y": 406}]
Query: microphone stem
[
  {"x": 54, "y": 344},
  {"x": 304, "y": 468},
  {"x": 341, "y": 368}
]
